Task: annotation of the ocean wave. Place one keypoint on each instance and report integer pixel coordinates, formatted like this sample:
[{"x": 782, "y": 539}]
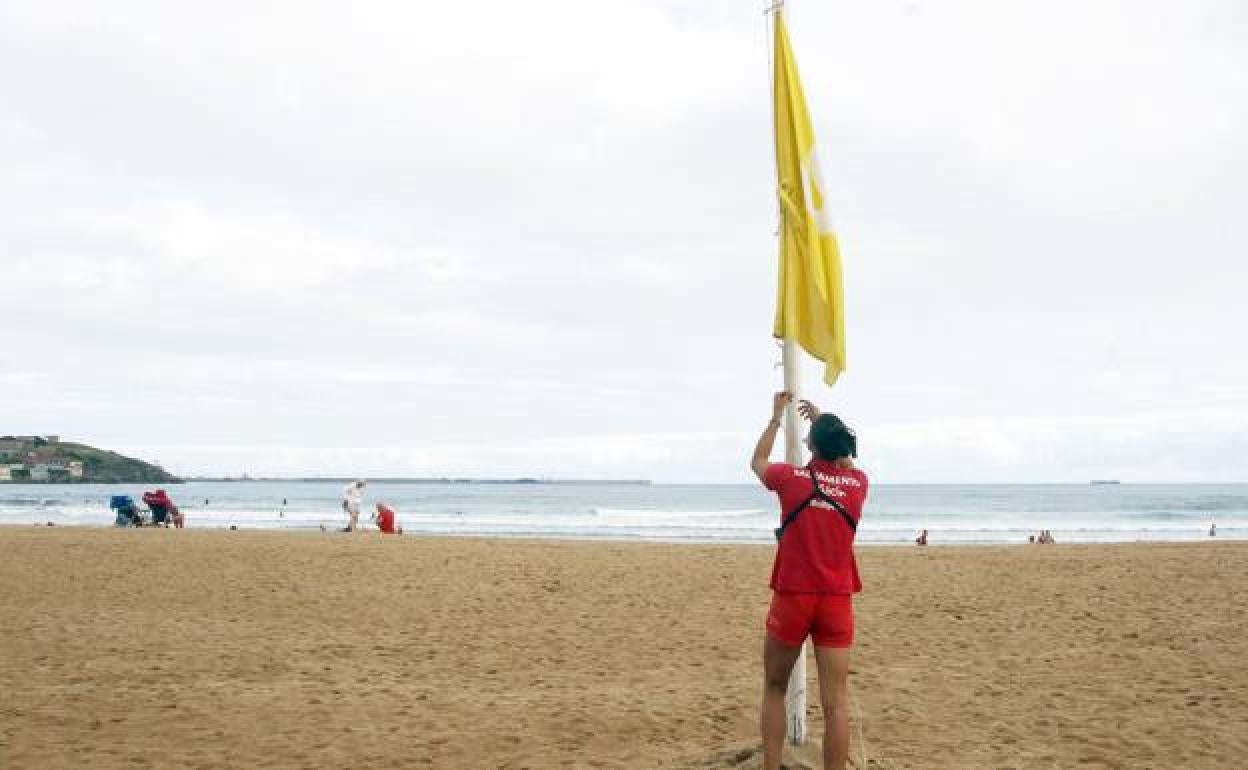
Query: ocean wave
[
  {"x": 1196, "y": 515},
  {"x": 25, "y": 502},
  {"x": 673, "y": 514}
]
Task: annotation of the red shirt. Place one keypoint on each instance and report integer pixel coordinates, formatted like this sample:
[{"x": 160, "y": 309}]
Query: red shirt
[
  {"x": 816, "y": 554},
  {"x": 159, "y": 497},
  {"x": 385, "y": 520}
]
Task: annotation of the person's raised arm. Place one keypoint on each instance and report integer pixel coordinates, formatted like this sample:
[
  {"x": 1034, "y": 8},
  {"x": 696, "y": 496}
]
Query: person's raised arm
[
  {"x": 811, "y": 412},
  {"x": 762, "y": 450}
]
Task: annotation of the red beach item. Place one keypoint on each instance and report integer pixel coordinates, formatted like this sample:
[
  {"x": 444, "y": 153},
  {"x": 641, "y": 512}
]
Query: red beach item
[{"x": 385, "y": 519}]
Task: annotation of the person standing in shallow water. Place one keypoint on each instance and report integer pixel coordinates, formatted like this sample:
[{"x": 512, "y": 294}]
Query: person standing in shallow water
[
  {"x": 814, "y": 576},
  {"x": 352, "y": 498}
]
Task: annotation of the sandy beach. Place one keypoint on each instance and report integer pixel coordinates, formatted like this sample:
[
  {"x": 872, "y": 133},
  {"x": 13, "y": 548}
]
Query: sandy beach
[{"x": 207, "y": 649}]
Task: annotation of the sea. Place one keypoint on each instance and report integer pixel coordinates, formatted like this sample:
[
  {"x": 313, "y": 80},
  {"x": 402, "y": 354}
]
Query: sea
[{"x": 987, "y": 514}]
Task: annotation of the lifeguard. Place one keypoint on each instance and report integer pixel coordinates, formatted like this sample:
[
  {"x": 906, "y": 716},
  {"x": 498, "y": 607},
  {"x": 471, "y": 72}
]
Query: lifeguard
[{"x": 814, "y": 576}]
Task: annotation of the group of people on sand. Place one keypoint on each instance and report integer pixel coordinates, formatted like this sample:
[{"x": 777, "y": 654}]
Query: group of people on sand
[
  {"x": 385, "y": 517},
  {"x": 161, "y": 511},
  {"x": 1044, "y": 538}
]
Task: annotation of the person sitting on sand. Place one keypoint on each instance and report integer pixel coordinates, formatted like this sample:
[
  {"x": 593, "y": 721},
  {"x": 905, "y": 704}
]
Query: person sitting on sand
[
  {"x": 387, "y": 521},
  {"x": 921, "y": 539},
  {"x": 814, "y": 575},
  {"x": 352, "y": 498},
  {"x": 160, "y": 505}
]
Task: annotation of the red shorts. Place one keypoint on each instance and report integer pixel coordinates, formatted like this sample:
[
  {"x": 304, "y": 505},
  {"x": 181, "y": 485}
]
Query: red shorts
[{"x": 829, "y": 618}]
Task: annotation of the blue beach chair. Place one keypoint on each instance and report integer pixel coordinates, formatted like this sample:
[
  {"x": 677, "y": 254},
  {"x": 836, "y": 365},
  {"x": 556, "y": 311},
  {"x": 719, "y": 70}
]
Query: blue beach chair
[{"x": 127, "y": 511}]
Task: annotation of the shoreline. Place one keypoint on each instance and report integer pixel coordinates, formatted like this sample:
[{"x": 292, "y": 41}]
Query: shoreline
[
  {"x": 745, "y": 514},
  {"x": 1195, "y": 540}
]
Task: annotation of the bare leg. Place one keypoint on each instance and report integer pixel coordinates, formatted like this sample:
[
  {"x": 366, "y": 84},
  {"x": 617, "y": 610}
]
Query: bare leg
[
  {"x": 778, "y": 660},
  {"x": 833, "y": 663}
]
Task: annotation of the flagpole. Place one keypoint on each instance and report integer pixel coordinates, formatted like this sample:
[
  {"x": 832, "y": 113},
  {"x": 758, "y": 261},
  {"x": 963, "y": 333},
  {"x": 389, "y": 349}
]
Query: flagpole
[{"x": 795, "y": 695}]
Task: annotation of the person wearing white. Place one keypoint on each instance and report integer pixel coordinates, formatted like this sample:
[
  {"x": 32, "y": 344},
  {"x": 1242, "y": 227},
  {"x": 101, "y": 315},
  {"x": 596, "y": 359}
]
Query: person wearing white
[{"x": 352, "y": 498}]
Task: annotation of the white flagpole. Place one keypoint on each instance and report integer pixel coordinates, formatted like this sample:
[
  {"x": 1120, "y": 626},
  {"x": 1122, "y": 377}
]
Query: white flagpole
[{"x": 795, "y": 697}]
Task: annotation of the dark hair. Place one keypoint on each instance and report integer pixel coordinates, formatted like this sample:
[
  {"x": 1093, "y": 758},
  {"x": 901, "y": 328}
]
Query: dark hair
[{"x": 832, "y": 438}]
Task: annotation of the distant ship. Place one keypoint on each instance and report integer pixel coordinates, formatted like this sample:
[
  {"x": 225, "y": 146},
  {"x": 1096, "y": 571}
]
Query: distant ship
[{"x": 1097, "y": 482}]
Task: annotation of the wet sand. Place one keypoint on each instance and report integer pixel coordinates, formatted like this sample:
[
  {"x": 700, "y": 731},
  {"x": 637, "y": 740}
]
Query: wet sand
[{"x": 181, "y": 649}]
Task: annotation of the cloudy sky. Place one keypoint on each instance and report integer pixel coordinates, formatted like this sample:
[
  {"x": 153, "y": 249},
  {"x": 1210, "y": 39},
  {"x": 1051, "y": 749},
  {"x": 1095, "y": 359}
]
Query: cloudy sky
[{"x": 496, "y": 238}]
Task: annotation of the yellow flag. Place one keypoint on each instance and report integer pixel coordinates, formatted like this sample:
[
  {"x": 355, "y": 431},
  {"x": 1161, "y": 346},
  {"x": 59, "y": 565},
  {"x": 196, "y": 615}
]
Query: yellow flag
[{"x": 809, "y": 304}]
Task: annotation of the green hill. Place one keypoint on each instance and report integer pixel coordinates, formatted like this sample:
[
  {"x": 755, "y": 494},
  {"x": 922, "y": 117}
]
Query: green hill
[
  {"x": 104, "y": 467},
  {"x": 39, "y": 460}
]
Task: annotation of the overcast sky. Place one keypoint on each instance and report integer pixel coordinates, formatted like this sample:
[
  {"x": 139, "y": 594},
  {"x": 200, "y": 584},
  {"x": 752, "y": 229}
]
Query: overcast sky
[{"x": 497, "y": 238}]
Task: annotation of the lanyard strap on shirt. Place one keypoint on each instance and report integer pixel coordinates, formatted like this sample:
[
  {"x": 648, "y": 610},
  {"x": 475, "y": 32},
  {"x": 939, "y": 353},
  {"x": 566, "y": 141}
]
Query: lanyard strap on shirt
[{"x": 817, "y": 494}]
